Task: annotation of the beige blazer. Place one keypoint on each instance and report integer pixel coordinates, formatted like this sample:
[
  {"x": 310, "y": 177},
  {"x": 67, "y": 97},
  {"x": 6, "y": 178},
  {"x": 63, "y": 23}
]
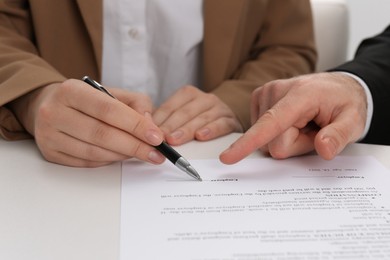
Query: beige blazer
[{"x": 246, "y": 43}]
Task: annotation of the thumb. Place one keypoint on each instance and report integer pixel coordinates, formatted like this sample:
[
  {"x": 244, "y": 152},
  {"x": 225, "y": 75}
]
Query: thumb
[{"x": 333, "y": 138}]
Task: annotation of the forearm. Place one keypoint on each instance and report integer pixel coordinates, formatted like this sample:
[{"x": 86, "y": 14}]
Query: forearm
[{"x": 21, "y": 69}]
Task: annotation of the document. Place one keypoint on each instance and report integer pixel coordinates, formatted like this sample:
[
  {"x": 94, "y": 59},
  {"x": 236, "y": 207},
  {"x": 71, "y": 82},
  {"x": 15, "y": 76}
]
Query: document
[{"x": 298, "y": 208}]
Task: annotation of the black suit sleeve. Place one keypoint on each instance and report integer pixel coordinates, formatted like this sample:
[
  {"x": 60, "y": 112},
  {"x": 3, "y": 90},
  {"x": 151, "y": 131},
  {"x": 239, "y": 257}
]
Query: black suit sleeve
[{"x": 372, "y": 64}]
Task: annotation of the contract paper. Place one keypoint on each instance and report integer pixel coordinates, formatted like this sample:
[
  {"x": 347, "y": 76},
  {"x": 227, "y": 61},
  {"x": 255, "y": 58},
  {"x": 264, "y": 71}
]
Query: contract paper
[{"x": 299, "y": 208}]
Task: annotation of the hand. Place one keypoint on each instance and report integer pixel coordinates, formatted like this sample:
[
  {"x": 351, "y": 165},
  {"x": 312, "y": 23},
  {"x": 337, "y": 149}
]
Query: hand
[
  {"x": 323, "y": 111},
  {"x": 76, "y": 125},
  {"x": 192, "y": 114}
]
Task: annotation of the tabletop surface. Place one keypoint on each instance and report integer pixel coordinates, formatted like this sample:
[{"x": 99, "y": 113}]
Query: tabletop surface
[{"x": 50, "y": 211}]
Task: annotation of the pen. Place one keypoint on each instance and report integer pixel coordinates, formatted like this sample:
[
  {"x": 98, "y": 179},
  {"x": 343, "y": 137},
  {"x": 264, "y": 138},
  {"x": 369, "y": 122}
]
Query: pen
[{"x": 164, "y": 148}]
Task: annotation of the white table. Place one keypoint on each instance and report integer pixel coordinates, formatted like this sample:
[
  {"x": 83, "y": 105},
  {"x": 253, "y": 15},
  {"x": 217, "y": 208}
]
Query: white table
[{"x": 51, "y": 212}]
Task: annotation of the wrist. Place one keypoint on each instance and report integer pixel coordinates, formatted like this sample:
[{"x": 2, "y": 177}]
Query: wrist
[
  {"x": 368, "y": 98},
  {"x": 24, "y": 107}
]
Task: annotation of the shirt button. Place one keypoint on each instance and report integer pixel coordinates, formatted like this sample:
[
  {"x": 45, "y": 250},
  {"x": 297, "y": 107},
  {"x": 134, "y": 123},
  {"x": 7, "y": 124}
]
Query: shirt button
[{"x": 134, "y": 34}]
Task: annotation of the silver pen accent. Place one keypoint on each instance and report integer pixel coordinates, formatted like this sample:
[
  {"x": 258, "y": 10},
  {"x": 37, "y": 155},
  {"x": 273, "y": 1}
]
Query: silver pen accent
[
  {"x": 178, "y": 160},
  {"x": 185, "y": 166}
]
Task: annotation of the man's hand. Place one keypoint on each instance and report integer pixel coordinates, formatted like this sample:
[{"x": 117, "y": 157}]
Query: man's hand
[
  {"x": 322, "y": 112},
  {"x": 192, "y": 114},
  {"x": 76, "y": 125}
]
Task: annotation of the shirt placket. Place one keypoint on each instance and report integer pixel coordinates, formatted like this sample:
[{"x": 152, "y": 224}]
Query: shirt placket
[{"x": 133, "y": 44}]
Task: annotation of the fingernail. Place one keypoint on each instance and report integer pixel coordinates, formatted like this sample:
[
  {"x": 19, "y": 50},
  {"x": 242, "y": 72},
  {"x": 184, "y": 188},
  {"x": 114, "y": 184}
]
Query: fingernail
[
  {"x": 332, "y": 148},
  {"x": 177, "y": 134},
  {"x": 204, "y": 132},
  {"x": 153, "y": 137},
  {"x": 156, "y": 157}
]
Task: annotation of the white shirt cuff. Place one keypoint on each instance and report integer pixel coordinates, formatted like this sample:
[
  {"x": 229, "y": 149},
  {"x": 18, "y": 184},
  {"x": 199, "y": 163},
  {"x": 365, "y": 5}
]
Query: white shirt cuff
[{"x": 370, "y": 103}]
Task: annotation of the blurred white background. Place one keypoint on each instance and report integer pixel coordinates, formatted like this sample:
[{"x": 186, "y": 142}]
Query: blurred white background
[{"x": 367, "y": 18}]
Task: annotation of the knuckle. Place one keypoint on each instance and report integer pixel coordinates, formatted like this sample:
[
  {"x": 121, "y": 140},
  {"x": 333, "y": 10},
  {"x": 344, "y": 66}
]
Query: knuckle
[
  {"x": 213, "y": 99},
  {"x": 167, "y": 129},
  {"x": 188, "y": 89},
  {"x": 255, "y": 94},
  {"x": 91, "y": 152},
  {"x": 136, "y": 150},
  {"x": 49, "y": 155},
  {"x": 105, "y": 109},
  {"x": 100, "y": 134},
  {"x": 66, "y": 86},
  {"x": 165, "y": 109},
  {"x": 46, "y": 116},
  {"x": 137, "y": 126},
  {"x": 187, "y": 111},
  {"x": 188, "y": 132},
  {"x": 233, "y": 125},
  {"x": 45, "y": 113},
  {"x": 270, "y": 116},
  {"x": 205, "y": 118},
  {"x": 278, "y": 152},
  {"x": 272, "y": 84}
]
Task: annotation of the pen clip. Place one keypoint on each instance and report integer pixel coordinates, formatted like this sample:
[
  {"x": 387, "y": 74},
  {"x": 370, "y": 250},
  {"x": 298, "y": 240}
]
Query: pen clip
[{"x": 97, "y": 86}]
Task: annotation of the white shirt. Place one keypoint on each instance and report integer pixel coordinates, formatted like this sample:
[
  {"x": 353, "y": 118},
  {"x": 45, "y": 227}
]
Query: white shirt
[{"x": 152, "y": 46}]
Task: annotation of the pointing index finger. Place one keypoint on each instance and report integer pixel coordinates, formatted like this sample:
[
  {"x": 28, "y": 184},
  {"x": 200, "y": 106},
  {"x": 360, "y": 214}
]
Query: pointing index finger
[{"x": 270, "y": 125}]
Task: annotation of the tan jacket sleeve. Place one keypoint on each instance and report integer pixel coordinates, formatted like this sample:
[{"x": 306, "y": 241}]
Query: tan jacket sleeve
[
  {"x": 21, "y": 69},
  {"x": 283, "y": 47}
]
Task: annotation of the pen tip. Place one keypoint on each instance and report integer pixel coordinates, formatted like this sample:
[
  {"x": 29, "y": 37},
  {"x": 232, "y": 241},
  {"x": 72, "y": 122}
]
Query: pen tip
[
  {"x": 185, "y": 166},
  {"x": 193, "y": 172}
]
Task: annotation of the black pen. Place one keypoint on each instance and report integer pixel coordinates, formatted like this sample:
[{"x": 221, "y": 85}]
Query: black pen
[{"x": 164, "y": 148}]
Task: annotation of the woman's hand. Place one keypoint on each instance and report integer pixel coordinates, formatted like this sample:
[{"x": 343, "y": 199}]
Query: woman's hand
[
  {"x": 76, "y": 125},
  {"x": 192, "y": 114}
]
